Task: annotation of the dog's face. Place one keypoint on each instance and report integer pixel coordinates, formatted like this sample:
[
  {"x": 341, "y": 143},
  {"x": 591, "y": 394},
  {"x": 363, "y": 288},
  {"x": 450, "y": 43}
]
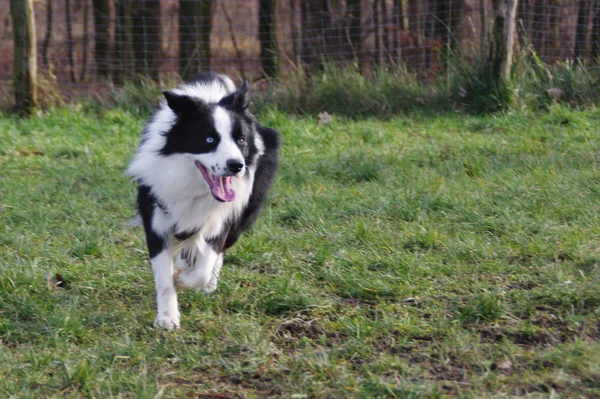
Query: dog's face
[{"x": 214, "y": 137}]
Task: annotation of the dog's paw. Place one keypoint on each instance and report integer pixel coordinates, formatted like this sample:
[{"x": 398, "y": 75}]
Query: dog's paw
[
  {"x": 169, "y": 322},
  {"x": 176, "y": 273},
  {"x": 183, "y": 278},
  {"x": 210, "y": 287}
]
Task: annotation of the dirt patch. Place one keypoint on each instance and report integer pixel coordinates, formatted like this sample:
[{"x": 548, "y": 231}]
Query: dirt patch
[
  {"x": 299, "y": 328},
  {"x": 258, "y": 383}
]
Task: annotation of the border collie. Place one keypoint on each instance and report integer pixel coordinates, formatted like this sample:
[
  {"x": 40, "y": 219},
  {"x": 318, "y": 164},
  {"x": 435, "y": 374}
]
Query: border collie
[{"x": 203, "y": 168}]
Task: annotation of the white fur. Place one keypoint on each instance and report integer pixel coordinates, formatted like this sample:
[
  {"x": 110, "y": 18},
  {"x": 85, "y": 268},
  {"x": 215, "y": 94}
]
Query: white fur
[
  {"x": 179, "y": 185},
  {"x": 176, "y": 177},
  {"x": 167, "y": 309},
  {"x": 201, "y": 272},
  {"x": 227, "y": 149}
]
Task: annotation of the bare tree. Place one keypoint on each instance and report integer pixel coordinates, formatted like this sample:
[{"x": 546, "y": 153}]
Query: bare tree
[
  {"x": 595, "y": 51},
  {"x": 84, "y": 51},
  {"x": 268, "y": 38},
  {"x": 123, "y": 67},
  {"x": 48, "y": 35},
  {"x": 70, "y": 42},
  {"x": 297, "y": 30},
  {"x": 447, "y": 21},
  {"x": 584, "y": 29},
  {"x": 102, "y": 44},
  {"x": 354, "y": 29},
  {"x": 146, "y": 31},
  {"x": 25, "y": 55},
  {"x": 195, "y": 24},
  {"x": 238, "y": 51},
  {"x": 315, "y": 20},
  {"x": 503, "y": 40},
  {"x": 379, "y": 46}
]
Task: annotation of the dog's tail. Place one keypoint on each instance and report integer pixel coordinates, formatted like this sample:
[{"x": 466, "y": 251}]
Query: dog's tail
[{"x": 135, "y": 221}]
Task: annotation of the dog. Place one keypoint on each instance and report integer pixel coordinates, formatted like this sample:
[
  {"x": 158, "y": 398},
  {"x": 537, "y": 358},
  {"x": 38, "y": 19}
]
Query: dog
[{"x": 203, "y": 167}]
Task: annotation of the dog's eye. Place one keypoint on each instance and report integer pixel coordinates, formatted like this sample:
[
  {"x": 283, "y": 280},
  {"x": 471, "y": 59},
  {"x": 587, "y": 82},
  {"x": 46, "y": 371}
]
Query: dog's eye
[
  {"x": 210, "y": 140},
  {"x": 241, "y": 140}
]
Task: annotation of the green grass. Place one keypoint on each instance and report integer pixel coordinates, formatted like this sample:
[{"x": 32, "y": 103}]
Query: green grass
[{"x": 433, "y": 256}]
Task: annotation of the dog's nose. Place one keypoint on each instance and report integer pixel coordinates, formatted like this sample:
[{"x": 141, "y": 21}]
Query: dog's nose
[{"x": 234, "y": 166}]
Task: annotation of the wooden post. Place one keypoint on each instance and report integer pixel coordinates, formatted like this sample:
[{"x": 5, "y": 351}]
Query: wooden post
[
  {"x": 501, "y": 50},
  {"x": 25, "y": 55}
]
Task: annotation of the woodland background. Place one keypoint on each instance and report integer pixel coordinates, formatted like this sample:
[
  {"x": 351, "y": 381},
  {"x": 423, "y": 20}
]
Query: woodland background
[{"x": 88, "y": 43}]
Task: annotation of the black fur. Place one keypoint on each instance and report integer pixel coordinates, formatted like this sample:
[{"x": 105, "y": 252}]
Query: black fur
[{"x": 192, "y": 116}]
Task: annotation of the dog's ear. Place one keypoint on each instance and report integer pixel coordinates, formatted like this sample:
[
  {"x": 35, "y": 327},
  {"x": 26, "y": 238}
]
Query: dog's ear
[
  {"x": 237, "y": 101},
  {"x": 182, "y": 104}
]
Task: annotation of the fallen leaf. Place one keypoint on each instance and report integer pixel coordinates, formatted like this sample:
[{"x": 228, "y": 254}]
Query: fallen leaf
[
  {"x": 554, "y": 92},
  {"x": 324, "y": 118},
  {"x": 505, "y": 365}
]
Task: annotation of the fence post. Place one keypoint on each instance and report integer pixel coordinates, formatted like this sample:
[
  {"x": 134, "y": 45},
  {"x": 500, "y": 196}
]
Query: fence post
[
  {"x": 25, "y": 55},
  {"x": 504, "y": 37}
]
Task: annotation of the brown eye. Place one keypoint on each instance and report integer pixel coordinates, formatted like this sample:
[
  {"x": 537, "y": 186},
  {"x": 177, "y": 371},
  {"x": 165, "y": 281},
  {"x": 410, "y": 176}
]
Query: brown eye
[{"x": 241, "y": 140}]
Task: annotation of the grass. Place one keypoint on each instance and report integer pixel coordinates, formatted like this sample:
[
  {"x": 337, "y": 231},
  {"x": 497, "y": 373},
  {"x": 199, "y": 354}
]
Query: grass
[{"x": 436, "y": 256}]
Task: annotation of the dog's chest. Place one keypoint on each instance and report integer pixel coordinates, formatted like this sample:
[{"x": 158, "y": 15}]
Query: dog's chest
[
  {"x": 200, "y": 215},
  {"x": 206, "y": 216}
]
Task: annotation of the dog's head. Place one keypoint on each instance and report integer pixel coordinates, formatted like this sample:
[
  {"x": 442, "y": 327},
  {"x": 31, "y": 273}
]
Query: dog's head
[{"x": 215, "y": 137}]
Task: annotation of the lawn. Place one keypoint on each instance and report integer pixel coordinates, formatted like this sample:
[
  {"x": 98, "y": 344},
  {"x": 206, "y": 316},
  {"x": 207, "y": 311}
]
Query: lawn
[{"x": 422, "y": 256}]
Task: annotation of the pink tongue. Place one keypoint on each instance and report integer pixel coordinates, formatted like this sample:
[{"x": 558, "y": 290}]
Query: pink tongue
[{"x": 222, "y": 189}]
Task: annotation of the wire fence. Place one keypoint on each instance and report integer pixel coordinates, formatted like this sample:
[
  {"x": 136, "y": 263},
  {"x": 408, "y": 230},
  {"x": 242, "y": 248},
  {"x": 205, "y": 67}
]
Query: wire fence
[{"x": 91, "y": 43}]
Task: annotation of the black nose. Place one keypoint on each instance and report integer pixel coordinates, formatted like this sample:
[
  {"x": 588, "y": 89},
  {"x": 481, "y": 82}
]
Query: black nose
[{"x": 234, "y": 166}]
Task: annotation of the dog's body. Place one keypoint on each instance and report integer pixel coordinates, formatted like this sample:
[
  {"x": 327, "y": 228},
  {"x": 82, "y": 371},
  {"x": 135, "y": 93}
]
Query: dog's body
[{"x": 203, "y": 168}]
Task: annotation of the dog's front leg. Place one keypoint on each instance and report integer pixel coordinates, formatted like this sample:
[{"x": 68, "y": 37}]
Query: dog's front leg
[
  {"x": 201, "y": 260},
  {"x": 167, "y": 309}
]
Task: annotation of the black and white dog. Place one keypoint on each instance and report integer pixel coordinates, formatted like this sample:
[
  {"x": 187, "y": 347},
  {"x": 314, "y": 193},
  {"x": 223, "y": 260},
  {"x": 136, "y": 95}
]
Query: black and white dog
[{"x": 203, "y": 168}]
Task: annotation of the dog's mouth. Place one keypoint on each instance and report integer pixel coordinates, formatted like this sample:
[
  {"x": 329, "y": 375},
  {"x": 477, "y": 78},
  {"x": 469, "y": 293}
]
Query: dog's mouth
[{"x": 220, "y": 186}]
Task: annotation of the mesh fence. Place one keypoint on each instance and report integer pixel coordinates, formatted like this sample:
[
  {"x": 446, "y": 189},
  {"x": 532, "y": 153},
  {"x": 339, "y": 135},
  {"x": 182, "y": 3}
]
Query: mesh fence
[{"x": 93, "y": 42}]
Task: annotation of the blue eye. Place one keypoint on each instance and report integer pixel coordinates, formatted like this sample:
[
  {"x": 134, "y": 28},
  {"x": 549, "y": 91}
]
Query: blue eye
[{"x": 210, "y": 140}]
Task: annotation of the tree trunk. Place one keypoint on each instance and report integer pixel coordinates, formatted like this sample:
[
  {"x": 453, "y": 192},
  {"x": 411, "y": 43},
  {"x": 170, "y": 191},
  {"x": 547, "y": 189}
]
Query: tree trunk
[
  {"x": 315, "y": 22},
  {"x": 379, "y": 47},
  {"x": 501, "y": 50},
  {"x": 354, "y": 30},
  {"x": 146, "y": 31},
  {"x": 442, "y": 21},
  {"x": 25, "y": 55},
  {"x": 48, "y": 35},
  {"x": 195, "y": 23},
  {"x": 595, "y": 50},
  {"x": 124, "y": 63},
  {"x": 416, "y": 9},
  {"x": 69, "y": 41},
  {"x": 582, "y": 41},
  {"x": 541, "y": 27},
  {"x": 102, "y": 45},
  {"x": 238, "y": 51},
  {"x": 268, "y": 38},
  {"x": 564, "y": 29},
  {"x": 297, "y": 31},
  {"x": 401, "y": 24},
  {"x": 84, "y": 51},
  {"x": 448, "y": 21},
  {"x": 484, "y": 27}
]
